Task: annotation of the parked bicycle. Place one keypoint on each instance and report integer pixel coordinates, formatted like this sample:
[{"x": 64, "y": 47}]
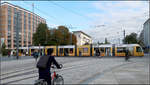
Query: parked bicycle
[{"x": 56, "y": 79}]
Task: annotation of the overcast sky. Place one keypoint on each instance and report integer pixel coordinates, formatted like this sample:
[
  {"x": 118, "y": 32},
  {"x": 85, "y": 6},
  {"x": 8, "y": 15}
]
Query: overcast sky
[{"x": 99, "y": 19}]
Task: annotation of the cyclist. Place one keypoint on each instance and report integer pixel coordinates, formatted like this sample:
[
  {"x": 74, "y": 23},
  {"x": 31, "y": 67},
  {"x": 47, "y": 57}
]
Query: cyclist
[{"x": 44, "y": 72}]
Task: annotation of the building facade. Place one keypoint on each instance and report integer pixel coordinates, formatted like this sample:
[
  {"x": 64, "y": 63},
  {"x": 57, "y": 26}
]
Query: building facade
[
  {"x": 82, "y": 38},
  {"x": 14, "y": 18},
  {"x": 147, "y": 33}
]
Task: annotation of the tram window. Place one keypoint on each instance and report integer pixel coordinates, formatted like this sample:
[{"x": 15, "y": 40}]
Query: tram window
[
  {"x": 102, "y": 50},
  {"x": 61, "y": 50},
  {"x": 138, "y": 49},
  {"x": 120, "y": 50},
  {"x": 71, "y": 50},
  {"x": 85, "y": 50},
  {"x": 48, "y": 50}
]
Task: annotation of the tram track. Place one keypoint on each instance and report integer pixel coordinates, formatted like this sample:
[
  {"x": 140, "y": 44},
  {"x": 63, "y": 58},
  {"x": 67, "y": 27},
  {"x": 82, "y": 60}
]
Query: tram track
[
  {"x": 16, "y": 71},
  {"x": 35, "y": 71},
  {"x": 20, "y": 74}
]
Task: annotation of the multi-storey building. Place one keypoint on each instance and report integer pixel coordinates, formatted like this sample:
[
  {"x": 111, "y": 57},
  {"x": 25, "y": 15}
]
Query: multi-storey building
[
  {"x": 14, "y": 18},
  {"x": 147, "y": 34},
  {"x": 82, "y": 38}
]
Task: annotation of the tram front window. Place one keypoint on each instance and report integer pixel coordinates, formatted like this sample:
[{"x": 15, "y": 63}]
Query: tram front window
[{"x": 138, "y": 49}]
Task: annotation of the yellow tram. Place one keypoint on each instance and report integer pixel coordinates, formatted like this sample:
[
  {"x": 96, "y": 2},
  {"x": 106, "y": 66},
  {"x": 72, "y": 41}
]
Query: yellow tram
[
  {"x": 134, "y": 50},
  {"x": 92, "y": 50},
  {"x": 83, "y": 50},
  {"x": 54, "y": 48},
  {"x": 68, "y": 50}
]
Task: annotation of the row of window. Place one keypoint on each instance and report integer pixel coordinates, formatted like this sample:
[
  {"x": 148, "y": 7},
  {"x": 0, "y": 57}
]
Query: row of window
[{"x": 34, "y": 19}]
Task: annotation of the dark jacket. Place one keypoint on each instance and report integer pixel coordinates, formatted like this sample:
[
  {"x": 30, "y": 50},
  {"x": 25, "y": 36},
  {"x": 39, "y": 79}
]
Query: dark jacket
[{"x": 45, "y": 73}]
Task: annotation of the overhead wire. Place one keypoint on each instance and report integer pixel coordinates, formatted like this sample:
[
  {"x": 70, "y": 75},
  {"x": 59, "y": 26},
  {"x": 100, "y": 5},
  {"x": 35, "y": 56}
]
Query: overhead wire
[
  {"x": 72, "y": 11},
  {"x": 45, "y": 13}
]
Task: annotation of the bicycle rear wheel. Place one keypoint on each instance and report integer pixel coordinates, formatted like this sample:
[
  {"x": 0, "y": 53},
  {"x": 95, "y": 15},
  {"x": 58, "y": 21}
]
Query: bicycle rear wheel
[
  {"x": 58, "y": 80},
  {"x": 40, "y": 82}
]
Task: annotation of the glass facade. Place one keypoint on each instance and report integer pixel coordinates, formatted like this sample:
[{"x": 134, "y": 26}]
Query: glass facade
[
  {"x": 15, "y": 16},
  {"x": 147, "y": 33},
  {"x": 29, "y": 28},
  {"x": 24, "y": 29},
  {"x": 9, "y": 18}
]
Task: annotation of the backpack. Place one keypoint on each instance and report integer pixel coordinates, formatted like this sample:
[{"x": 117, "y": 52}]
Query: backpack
[{"x": 42, "y": 62}]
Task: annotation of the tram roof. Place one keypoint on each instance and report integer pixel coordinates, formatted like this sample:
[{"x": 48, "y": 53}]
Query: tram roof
[
  {"x": 104, "y": 45},
  {"x": 126, "y": 45},
  {"x": 23, "y": 47},
  {"x": 36, "y": 47},
  {"x": 116, "y": 45},
  {"x": 67, "y": 46}
]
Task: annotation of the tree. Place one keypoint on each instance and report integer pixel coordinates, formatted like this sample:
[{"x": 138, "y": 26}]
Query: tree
[
  {"x": 131, "y": 39},
  {"x": 4, "y": 50},
  {"x": 64, "y": 32},
  {"x": 100, "y": 43},
  {"x": 106, "y": 41},
  {"x": 41, "y": 35},
  {"x": 60, "y": 36},
  {"x": 74, "y": 39}
]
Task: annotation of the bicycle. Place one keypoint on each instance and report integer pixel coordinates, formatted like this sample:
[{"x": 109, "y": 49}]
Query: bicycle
[{"x": 56, "y": 79}]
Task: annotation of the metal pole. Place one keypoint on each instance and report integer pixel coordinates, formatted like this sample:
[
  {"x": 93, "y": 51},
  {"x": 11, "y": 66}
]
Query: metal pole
[
  {"x": 124, "y": 36},
  {"x": 17, "y": 35},
  {"x": 70, "y": 38}
]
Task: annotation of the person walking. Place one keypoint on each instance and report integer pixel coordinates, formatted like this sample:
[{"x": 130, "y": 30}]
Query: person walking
[
  {"x": 126, "y": 55},
  {"x": 44, "y": 65},
  {"x": 35, "y": 55},
  {"x": 9, "y": 54}
]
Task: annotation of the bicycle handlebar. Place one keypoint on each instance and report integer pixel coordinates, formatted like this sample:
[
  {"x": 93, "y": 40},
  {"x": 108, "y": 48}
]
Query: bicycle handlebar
[
  {"x": 55, "y": 66},
  {"x": 60, "y": 65}
]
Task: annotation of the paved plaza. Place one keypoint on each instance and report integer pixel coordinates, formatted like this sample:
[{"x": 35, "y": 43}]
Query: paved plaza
[{"x": 81, "y": 70}]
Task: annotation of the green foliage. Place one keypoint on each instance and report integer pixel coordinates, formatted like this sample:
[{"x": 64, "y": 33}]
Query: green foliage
[
  {"x": 4, "y": 50},
  {"x": 106, "y": 41},
  {"x": 41, "y": 35},
  {"x": 60, "y": 36},
  {"x": 100, "y": 43},
  {"x": 130, "y": 39}
]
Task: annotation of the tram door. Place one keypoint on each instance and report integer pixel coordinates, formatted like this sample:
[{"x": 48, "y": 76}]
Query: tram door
[
  {"x": 66, "y": 52},
  {"x": 61, "y": 51},
  {"x": 96, "y": 52},
  {"x": 107, "y": 52}
]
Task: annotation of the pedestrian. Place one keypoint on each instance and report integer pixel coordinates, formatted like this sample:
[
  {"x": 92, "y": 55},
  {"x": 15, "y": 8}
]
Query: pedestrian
[
  {"x": 44, "y": 65},
  {"x": 8, "y": 53},
  {"x": 127, "y": 55},
  {"x": 80, "y": 53},
  {"x": 36, "y": 55}
]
